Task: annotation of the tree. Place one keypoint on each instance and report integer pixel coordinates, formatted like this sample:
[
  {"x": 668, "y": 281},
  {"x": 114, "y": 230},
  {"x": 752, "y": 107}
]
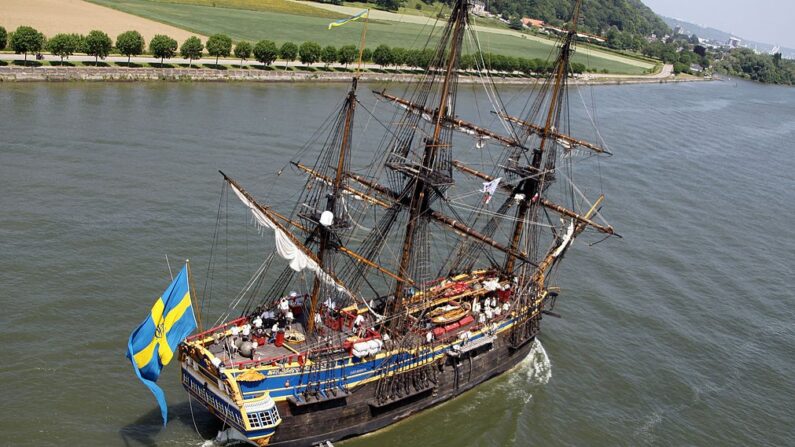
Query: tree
[
  {"x": 163, "y": 47},
  {"x": 399, "y": 56},
  {"x": 680, "y": 67},
  {"x": 191, "y": 49},
  {"x": 219, "y": 45},
  {"x": 309, "y": 53},
  {"x": 27, "y": 40},
  {"x": 389, "y": 5},
  {"x": 382, "y": 55},
  {"x": 288, "y": 52},
  {"x": 516, "y": 23},
  {"x": 577, "y": 67},
  {"x": 130, "y": 43},
  {"x": 347, "y": 54},
  {"x": 3, "y": 37},
  {"x": 367, "y": 55},
  {"x": 467, "y": 62},
  {"x": 97, "y": 44},
  {"x": 329, "y": 55},
  {"x": 63, "y": 45},
  {"x": 265, "y": 52},
  {"x": 243, "y": 51}
]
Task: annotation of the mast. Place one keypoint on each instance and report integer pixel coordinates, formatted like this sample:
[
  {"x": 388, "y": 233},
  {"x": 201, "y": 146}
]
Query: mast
[
  {"x": 529, "y": 187},
  {"x": 420, "y": 202},
  {"x": 325, "y": 231}
]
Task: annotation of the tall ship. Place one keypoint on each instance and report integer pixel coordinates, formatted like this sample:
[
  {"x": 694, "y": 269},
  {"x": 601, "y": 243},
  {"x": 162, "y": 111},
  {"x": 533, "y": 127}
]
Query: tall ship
[{"x": 388, "y": 291}]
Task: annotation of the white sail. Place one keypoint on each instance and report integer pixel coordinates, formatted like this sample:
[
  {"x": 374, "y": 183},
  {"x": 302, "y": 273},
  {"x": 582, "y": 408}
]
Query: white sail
[
  {"x": 566, "y": 241},
  {"x": 286, "y": 248}
]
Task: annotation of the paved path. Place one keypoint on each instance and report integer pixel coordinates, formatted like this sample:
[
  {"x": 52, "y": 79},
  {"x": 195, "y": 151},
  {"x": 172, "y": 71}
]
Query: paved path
[
  {"x": 154, "y": 60},
  {"x": 665, "y": 73},
  {"x": 14, "y": 73}
]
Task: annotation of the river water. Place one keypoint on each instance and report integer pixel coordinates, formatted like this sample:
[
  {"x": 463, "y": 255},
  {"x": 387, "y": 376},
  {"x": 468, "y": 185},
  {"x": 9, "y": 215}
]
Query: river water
[{"x": 679, "y": 334}]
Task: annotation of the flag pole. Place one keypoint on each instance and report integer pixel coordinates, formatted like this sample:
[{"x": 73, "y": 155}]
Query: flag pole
[
  {"x": 361, "y": 43},
  {"x": 196, "y": 313}
]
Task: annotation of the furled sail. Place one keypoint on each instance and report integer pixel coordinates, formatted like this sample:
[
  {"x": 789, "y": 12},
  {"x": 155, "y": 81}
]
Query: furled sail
[{"x": 296, "y": 255}]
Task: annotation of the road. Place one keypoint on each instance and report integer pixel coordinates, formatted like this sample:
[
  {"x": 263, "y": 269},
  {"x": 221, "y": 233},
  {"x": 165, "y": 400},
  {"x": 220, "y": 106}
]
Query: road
[{"x": 666, "y": 72}]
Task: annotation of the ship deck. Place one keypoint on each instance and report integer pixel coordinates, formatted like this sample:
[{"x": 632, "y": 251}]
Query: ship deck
[{"x": 269, "y": 351}]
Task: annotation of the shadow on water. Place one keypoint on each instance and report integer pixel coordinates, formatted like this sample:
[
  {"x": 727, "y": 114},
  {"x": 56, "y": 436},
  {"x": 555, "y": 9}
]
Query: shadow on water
[{"x": 145, "y": 430}]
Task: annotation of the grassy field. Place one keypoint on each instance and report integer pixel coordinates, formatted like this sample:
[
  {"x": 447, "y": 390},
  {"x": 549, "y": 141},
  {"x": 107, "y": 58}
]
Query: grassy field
[
  {"x": 296, "y": 26},
  {"x": 281, "y": 6}
]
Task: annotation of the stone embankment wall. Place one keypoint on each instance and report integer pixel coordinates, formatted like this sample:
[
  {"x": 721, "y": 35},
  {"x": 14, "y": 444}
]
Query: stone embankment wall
[
  {"x": 11, "y": 74},
  {"x": 120, "y": 74}
]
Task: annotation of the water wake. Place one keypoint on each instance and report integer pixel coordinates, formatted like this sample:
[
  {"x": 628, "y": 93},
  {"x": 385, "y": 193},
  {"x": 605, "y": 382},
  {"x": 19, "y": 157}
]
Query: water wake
[
  {"x": 539, "y": 367},
  {"x": 535, "y": 369}
]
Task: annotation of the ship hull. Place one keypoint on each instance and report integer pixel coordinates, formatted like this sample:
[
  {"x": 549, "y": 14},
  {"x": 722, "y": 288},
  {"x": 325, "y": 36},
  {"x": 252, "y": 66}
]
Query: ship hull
[
  {"x": 359, "y": 413},
  {"x": 357, "y": 416},
  {"x": 345, "y": 392}
]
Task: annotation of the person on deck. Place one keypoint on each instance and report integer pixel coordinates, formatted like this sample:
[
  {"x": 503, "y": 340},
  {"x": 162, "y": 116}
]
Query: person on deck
[
  {"x": 358, "y": 325},
  {"x": 284, "y": 306}
]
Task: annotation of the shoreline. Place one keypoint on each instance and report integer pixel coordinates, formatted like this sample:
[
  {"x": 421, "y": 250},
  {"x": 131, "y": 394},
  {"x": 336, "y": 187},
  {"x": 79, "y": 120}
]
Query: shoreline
[{"x": 146, "y": 74}]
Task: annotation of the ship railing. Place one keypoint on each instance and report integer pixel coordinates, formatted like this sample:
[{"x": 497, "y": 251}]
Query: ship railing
[{"x": 217, "y": 329}]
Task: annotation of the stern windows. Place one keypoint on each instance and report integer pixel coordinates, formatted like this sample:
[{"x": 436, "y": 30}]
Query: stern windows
[{"x": 260, "y": 419}]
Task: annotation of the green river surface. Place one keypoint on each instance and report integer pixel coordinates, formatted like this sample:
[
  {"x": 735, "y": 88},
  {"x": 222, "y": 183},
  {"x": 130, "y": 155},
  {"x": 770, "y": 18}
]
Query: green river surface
[{"x": 681, "y": 333}]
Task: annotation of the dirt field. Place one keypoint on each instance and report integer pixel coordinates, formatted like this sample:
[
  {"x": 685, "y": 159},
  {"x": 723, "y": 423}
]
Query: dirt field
[{"x": 77, "y": 16}]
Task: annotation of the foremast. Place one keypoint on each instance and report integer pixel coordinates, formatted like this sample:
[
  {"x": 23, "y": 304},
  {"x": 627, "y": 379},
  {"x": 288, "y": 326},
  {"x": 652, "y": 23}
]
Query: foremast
[{"x": 535, "y": 178}]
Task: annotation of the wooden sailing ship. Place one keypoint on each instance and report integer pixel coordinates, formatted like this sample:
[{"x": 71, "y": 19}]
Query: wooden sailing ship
[{"x": 387, "y": 328}]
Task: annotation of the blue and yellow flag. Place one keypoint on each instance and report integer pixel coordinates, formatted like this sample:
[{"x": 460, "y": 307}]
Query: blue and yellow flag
[
  {"x": 152, "y": 344},
  {"x": 341, "y": 22}
]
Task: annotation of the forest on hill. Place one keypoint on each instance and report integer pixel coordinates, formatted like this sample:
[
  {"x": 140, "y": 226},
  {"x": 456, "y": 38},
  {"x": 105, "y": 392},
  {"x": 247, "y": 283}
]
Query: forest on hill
[{"x": 598, "y": 16}]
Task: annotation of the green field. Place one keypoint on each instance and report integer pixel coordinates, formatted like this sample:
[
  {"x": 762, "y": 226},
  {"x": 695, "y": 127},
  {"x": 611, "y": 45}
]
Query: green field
[{"x": 301, "y": 24}]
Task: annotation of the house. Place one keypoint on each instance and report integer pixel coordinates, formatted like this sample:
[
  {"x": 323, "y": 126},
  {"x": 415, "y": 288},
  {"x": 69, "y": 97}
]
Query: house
[
  {"x": 532, "y": 23},
  {"x": 478, "y": 7},
  {"x": 734, "y": 42}
]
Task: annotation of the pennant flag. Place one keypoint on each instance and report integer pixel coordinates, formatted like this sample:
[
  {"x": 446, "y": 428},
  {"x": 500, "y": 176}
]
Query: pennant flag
[
  {"x": 489, "y": 188},
  {"x": 341, "y": 22},
  {"x": 152, "y": 344}
]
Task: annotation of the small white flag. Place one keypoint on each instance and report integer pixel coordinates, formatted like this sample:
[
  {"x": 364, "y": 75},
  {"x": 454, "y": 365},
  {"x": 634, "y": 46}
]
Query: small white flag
[{"x": 489, "y": 188}]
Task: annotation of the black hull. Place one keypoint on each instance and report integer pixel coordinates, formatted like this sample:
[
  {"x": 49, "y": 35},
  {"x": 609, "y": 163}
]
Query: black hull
[{"x": 356, "y": 415}]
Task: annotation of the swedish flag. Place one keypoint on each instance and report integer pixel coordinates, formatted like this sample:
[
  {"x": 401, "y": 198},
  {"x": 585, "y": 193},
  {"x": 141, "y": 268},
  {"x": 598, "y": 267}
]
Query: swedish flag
[
  {"x": 341, "y": 22},
  {"x": 152, "y": 344}
]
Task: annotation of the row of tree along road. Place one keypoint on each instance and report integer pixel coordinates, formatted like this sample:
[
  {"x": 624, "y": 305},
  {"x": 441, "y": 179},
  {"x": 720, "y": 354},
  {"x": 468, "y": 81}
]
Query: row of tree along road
[{"x": 27, "y": 40}]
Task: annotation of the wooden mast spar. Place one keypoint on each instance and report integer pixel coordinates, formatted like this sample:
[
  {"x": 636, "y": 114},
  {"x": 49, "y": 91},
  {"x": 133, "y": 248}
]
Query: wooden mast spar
[
  {"x": 325, "y": 232},
  {"x": 529, "y": 187},
  {"x": 419, "y": 203}
]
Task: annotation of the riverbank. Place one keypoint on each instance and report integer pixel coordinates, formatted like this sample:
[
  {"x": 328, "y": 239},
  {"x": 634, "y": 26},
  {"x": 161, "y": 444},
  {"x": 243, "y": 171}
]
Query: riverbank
[{"x": 124, "y": 74}]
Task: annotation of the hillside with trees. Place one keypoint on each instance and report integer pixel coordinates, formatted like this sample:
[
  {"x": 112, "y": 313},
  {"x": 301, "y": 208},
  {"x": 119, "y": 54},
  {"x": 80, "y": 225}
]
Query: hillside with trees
[
  {"x": 598, "y": 16},
  {"x": 770, "y": 69}
]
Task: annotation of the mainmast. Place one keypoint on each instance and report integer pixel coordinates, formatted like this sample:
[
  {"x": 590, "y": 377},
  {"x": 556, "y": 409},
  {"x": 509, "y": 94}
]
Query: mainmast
[
  {"x": 527, "y": 189},
  {"x": 424, "y": 180}
]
